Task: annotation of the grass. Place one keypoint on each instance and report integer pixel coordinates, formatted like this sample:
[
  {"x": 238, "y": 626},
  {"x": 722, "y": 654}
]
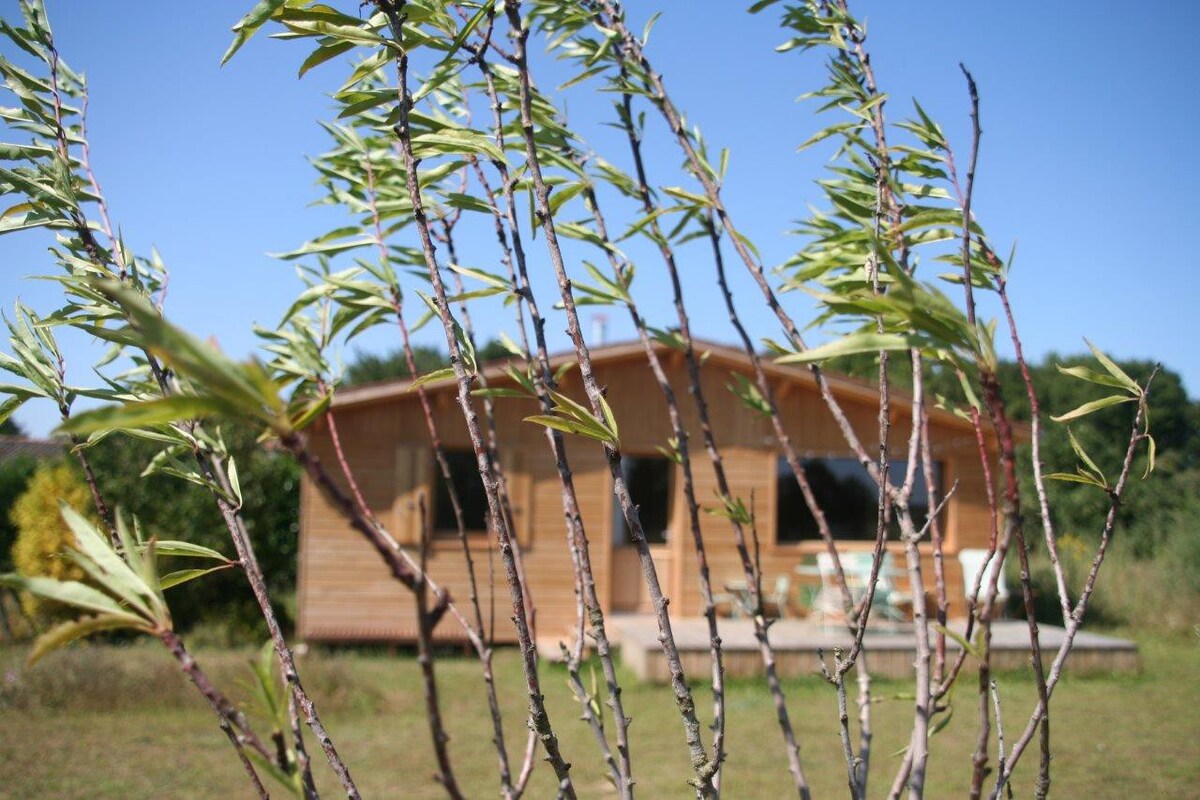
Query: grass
[{"x": 106, "y": 721}]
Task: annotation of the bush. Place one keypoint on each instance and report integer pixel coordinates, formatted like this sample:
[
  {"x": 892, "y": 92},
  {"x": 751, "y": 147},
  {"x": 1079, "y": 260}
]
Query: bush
[
  {"x": 170, "y": 508},
  {"x": 1151, "y": 577},
  {"x": 43, "y": 536},
  {"x": 14, "y": 479}
]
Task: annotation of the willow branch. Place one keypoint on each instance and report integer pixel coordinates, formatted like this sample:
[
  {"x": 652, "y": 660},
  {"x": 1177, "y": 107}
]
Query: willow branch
[
  {"x": 227, "y": 714},
  {"x": 475, "y": 630},
  {"x": 539, "y": 718},
  {"x": 587, "y": 596},
  {"x": 1137, "y": 434},
  {"x": 210, "y": 468},
  {"x": 1039, "y": 478},
  {"x": 680, "y": 435},
  {"x": 702, "y": 765},
  {"x": 433, "y": 707}
]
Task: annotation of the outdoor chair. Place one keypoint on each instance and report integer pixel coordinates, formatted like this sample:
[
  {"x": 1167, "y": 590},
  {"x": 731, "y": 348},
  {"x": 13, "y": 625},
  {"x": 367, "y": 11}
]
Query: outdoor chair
[
  {"x": 972, "y": 561},
  {"x": 737, "y": 597},
  {"x": 780, "y": 599},
  {"x": 887, "y": 602}
]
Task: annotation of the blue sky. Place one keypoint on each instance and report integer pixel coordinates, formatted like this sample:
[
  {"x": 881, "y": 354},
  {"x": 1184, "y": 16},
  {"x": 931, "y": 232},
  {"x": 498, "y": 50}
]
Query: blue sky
[{"x": 1089, "y": 111}]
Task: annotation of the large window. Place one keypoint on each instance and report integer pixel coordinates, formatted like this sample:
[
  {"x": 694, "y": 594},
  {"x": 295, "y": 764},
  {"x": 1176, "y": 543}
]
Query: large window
[
  {"x": 468, "y": 487},
  {"x": 649, "y": 482},
  {"x": 847, "y": 496}
]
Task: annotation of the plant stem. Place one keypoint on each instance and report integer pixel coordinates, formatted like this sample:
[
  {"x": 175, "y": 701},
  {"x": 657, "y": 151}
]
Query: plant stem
[{"x": 539, "y": 717}]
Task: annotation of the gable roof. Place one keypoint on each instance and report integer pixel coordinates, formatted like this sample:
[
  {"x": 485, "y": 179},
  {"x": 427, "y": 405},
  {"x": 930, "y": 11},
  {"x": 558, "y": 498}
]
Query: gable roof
[
  {"x": 843, "y": 387},
  {"x": 15, "y": 446}
]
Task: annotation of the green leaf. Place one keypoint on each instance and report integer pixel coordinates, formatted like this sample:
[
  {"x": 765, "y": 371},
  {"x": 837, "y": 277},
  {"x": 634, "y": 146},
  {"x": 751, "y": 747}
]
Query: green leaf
[
  {"x": 748, "y": 392},
  {"x": 562, "y": 402},
  {"x": 448, "y": 66},
  {"x": 311, "y": 411},
  {"x": 940, "y": 724},
  {"x": 489, "y": 278},
  {"x": 271, "y": 768},
  {"x": 958, "y": 637},
  {"x": 325, "y": 248},
  {"x": 188, "y": 550},
  {"x": 571, "y": 425},
  {"x": 11, "y": 404},
  {"x": 459, "y": 141},
  {"x": 610, "y": 420},
  {"x": 1079, "y": 451},
  {"x": 671, "y": 452},
  {"x": 1091, "y": 376},
  {"x": 244, "y": 387},
  {"x": 234, "y": 483},
  {"x": 733, "y": 509},
  {"x": 248, "y": 25},
  {"x": 688, "y": 197},
  {"x": 512, "y": 346},
  {"x": 184, "y": 575},
  {"x": 430, "y": 377},
  {"x": 499, "y": 391},
  {"x": 849, "y": 345},
  {"x": 1093, "y": 406},
  {"x": 1076, "y": 477},
  {"x": 72, "y": 593},
  {"x": 562, "y": 370},
  {"x": 1115, "y": 371},
  {"x": 95, "y": 555},
  {"x": 467, "y": 202},
  {"x": 323, "y": 54},
  {"x": 63, "y": 634},
  {"x": 159, "y": 411}
]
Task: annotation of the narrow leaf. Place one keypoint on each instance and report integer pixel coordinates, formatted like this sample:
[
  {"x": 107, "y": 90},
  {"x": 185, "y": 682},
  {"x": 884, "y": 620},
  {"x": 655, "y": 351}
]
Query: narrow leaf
[
  {"x": 849, "y": 345},
  {"x": 184, "y": 575},
  {"x": 63, "y": 634},
  {"x": 187, "y": 549},
  {"x": 1112, "y": 368},
  {"x": 1093, "y": 406},
  {"x": 248, "y": 25}
]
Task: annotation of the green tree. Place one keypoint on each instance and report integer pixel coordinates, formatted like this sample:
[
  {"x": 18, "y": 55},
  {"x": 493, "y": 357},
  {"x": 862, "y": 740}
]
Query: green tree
[
  {"x": 14, "y": 478},
  {"x": 170, "y": 508},
  {"x": 368, "y": 367},
  {"x": 1079, "y": 509}
]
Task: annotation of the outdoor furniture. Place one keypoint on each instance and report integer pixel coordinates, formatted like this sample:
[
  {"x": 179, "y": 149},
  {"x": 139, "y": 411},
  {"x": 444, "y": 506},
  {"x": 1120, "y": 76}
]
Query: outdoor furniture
[
  {"x": 780, "y": 598},
  {"x": 972, "y": 561},
  {"x": 856, "y": 566},
  {"x": 737, "y": 595}
]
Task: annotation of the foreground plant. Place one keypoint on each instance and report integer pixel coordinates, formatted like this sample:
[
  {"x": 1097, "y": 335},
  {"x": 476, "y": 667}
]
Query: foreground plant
[
  {"x": 411, "y": 164},
  {"x": 124, "y": 592}
]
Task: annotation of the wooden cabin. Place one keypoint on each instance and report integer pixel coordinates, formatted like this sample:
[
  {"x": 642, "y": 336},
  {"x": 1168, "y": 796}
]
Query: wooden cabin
[{"x": 346, "y": 594}]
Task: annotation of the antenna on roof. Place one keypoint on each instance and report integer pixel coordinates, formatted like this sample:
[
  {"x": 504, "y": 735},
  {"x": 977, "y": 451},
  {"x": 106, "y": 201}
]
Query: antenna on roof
[{"x": 599, "y": 329}]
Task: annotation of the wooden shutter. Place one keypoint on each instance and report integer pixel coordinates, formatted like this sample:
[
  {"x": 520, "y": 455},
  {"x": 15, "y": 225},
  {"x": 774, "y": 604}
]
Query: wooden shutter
[
  {"x": 520, "y": 492},
  {"x": 413, "y": 472}
]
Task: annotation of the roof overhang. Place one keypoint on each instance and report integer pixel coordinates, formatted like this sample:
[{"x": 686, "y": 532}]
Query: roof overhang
[{"x": 841, "y": 386}]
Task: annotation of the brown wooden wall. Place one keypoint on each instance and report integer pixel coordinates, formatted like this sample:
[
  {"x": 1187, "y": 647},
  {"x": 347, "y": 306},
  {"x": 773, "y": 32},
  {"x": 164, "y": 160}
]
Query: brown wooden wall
[{"x": 345, "y": 593}]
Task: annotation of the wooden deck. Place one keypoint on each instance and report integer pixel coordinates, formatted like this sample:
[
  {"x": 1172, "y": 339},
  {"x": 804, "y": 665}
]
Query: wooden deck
[{"x": 891, "y": 649}]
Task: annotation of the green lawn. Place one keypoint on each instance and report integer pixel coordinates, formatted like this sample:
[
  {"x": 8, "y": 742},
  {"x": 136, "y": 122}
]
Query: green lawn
[{"x": 118, "y": 722}]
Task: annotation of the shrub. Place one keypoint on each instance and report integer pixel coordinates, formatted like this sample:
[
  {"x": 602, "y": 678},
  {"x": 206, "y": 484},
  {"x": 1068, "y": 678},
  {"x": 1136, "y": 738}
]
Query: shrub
[
  {"x": 170, "y": 508},
  {"x": 42, "y": 536},
  {"x": 14, "y": 479}
]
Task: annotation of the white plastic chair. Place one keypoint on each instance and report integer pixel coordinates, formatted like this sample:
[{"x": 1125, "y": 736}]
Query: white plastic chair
[
  {"x": 857, "y": 568},
  {"x": 781, "y": 597},
  {"x": 972, "y": 561}
]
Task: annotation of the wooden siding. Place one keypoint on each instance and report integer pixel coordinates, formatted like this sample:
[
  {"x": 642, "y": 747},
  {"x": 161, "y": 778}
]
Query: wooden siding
[{"x": 346, "y": 594}]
